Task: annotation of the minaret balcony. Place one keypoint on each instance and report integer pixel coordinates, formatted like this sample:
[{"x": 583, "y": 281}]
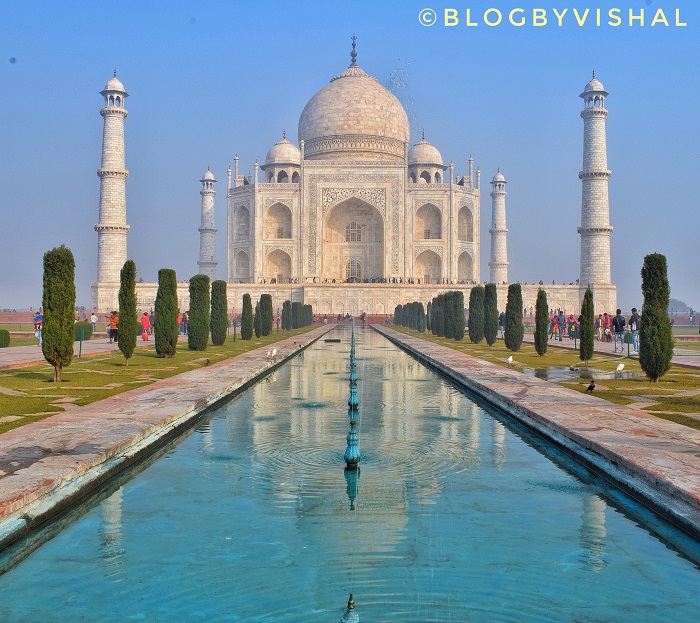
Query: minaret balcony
[
  {"x": 122, "y": 173},
  {"x": 595, "y": 175},
  {"x": 112, "y": 229},
  {"x": 113, "y": 111},
  {"x": 594, "y": 230}
]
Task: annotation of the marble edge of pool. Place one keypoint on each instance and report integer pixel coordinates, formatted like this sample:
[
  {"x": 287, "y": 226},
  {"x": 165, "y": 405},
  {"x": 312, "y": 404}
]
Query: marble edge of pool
[
  {"x": 655, "y": 461},
  {"x": 47, "y": 466}
]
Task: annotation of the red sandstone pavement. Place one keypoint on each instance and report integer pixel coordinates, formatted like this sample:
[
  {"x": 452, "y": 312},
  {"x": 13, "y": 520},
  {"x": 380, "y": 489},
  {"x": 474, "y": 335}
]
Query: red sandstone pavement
[
  {"x": 44, "y": 465},
  {"x": 658, "y": 459}
]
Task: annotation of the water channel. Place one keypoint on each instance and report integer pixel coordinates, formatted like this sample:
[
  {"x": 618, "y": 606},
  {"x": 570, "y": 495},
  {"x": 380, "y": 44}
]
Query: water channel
[{"x": 457, "y": 516}]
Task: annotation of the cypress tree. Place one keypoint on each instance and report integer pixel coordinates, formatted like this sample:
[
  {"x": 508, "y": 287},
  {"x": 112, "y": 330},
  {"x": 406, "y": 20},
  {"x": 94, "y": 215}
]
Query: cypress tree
[
  {"x": 476, "y": 314},
  {"x": 439, "y": 316},
  {"x": 128, "y": 322},
  {"x": 165, "y": 326},
  {"x": 200, "y": 304},
  {"x": 458, "y": 315},
  {"x": 514, "y": 329},
  {"x": 58, "y": 303},
  {"x": 656, "y": 334},
  {"x": 587, "y": 327},
  {"x": 219, "y": 312},
  {"x": 447, "y": 314},
  {"x": 296, "y": 315},
  {"x": 286, "y": 315},
  {"x": 398, "y": 315},
  {"x": 541, "y": 322},
  {"x": 429, "y": 316},
  {"x": 267, "y": 313},
  {"x": 247, "y": 318},
  {"x": 490, "y": 313},
  {"x": 421, "y": 318},
  {"x": 257, "y": 320}
]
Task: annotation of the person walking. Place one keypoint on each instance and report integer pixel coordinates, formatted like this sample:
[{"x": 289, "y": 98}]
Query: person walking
[
  {"x": 113, "y": 327},
  {"x": 93, "y": 322},
  {"x": 599, "y": 328},
  {"x": 606, "y": 328},
  {"x": 618, "y": 325},
  {"x": 502, "y": 322},
  {"x": 561, "y": 323},
  {"x": 635, "y": 324},
  {"x": 38, "y": 322},
  {"x": 146, "y": 326}
]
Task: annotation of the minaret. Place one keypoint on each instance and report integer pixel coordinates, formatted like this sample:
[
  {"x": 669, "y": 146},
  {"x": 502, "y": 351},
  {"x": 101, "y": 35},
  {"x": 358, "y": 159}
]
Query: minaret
[
  {"x": 207, "y": 232},
  {"x": 498, "y": 231},
  {"x": 595, "y": 227},
  {"x": 111, "y": 228}
]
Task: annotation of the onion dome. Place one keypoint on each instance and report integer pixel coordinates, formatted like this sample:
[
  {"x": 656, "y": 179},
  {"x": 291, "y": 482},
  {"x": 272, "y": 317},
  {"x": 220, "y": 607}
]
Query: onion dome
[
  {"x": 114, "y": 84},
  {"x": 424, "y": 153},
  {"x": 283, "y": 152},
  {"x": 499, "y": 177},
  {"x": 208, "y": 176}
]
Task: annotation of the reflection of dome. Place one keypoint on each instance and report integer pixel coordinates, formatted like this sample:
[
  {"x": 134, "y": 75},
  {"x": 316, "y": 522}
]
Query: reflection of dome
[
  {"x": 424, "y": 153},
  {"x": 283, "y": 152},
  {"x": 354, "y": 118},
  {"x": 208, "y": 176}
]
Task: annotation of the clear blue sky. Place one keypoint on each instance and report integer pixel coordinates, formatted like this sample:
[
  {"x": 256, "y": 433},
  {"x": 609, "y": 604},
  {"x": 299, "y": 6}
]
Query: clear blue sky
[{"x": 208, "y": 79}]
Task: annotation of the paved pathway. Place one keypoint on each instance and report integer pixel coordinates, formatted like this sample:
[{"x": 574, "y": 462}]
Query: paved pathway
[
  {"x": 656, "y": 459},
  {"x": 47, "y": 465},
  {"x": 18, "y": 356},
  {"x": 686, "y": 358}
]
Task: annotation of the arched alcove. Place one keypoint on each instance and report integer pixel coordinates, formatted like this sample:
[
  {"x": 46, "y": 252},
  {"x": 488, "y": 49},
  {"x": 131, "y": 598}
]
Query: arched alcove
[
  {"x": 412, "y": 178},
  {"x": 428, "y": 222},
  {"x": 282, "y": 177},
  {"x": 465, "y": 225},
  {"x": 465, "y": 267},
  {"x": 295, "y": 177},
  {"x": 425, "y": 177},
  {"x": 353, "y": 229},
  {"x": 278, "y": 221},
  {"x": 241, "y": 267},
  {"x": 278, "y": 266},
  {"x": 241, "y": 223},
  {"x": 428, "y": 267}
]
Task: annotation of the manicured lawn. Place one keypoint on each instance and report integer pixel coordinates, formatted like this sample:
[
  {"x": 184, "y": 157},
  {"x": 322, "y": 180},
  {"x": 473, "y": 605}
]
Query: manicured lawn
[
  {"x": 676, "y": 394},
  {"x": 29, "y": 394}
]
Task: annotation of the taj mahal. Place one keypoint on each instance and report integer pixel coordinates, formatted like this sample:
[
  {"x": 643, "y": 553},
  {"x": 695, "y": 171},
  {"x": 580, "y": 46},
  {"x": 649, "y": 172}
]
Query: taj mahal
[{"x": 354, "y": 218}]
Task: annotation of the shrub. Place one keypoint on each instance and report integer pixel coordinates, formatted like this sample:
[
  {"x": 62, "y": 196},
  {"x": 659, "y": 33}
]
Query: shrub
[
  {"x": 429, "y": 316},
  {"x": 128, "y": 322},
  {"x": 490, "y": 313},
  {"x": 587, "y": 327},
  {"x": 296, "y": 315},
  {"x": 247, "y": 318},
  {"x": 655, "y": 334},
  {"x": 200, "y": 306},
  {"x": 458, "y": 315},
  {"x": 165, "y": 327},
  {"x": 398, "y": 315},
  {"x": 5, "y": 338},
  {"x": 447, "y": 307},
  {"x": 87, "y": 330},
  {"x": 541, "y": 322},
  {"x": 219, "y": 311},
  {"x": 514, "y": 329},
  {"x": 476, "y": 314},
  {"x": 58, "y": 303}
]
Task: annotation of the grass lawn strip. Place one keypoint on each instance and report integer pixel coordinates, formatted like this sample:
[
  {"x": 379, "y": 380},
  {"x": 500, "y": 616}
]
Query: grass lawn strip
[{"x": 29, "y": 394}]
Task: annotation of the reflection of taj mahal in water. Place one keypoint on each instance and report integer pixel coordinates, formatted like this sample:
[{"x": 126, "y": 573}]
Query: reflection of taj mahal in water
[{"x": 355, "y": 219}]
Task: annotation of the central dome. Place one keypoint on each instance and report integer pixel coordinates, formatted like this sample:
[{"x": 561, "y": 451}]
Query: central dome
[{"x": 354, "y": 118}]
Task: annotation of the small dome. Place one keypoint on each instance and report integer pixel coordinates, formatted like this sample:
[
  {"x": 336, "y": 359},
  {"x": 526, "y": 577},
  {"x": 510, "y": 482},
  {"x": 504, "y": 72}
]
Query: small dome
[
  {"x": 283, "y": 152},
  {"x": 114, "y": 85},
  {"x": 424, "y": 153},
  {"x": 208, "y": 176},
  {"x": 499, "y": 177},
  {"x": 594, "y": 85}
]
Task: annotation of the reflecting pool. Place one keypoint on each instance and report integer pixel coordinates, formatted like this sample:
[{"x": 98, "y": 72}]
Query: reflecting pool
[{"x": 456, "y": 516}]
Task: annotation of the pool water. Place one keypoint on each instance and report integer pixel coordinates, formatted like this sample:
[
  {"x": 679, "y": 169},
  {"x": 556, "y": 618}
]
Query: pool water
[{"x": 456, "y": 516}]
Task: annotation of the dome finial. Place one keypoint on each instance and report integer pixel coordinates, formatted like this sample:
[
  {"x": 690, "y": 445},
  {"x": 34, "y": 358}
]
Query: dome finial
[
  {"x": 115, "y": 72},
  {"x": 422, "y": 135},
  {"x": 284, "y": 135},
  {"x": 353, "y": 54},
  {"x": 594, "y": 74}
]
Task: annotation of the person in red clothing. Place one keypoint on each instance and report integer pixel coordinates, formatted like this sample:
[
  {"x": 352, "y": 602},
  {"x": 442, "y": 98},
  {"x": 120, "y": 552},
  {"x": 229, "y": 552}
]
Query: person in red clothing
[
  {"x": 146, "y": 325},
  {"x": 607, "y": 335}
]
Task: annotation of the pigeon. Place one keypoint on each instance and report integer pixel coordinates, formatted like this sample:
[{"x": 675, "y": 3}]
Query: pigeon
[
  {"x": 207, "y": 362},
  {"x": 591, "y": 386},
  {"x": 620, "y": 368},
  {"x": 509, "y": 360},
  {"x": 273, "y": 354}
]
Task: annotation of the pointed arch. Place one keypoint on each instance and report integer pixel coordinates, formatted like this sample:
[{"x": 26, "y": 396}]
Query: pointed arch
[
  {"x": 241, "y": 223},
  {"x": 278, "y": 221},
  {"x": 428, "y": 267},
  {"x": 241, "y": 267},
  {"x": 428, "y": 222},
  {"x": 465, "y": 225},
  {"x": 278, "y": 265},
  {"x": 465, "y": 267}
]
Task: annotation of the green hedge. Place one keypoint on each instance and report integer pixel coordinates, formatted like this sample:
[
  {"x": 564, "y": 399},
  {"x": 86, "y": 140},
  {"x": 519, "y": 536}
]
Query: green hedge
[
  {"x": 5, "y": 338},
  {"x": 87, "y": 330}
]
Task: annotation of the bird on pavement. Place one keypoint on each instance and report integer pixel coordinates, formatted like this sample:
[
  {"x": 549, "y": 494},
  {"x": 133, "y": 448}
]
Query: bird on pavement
[
  {"x": 207, "y": 362},
  {"x": 591, "y": 386},
  {"x": 273, "y": 354},
  {"x": 620, "y": 368},
  {"x": 509, "y": 361}
]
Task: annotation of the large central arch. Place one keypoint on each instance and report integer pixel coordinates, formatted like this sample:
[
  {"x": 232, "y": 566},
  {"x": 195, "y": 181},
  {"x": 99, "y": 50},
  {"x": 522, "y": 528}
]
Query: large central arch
[{"x": 353, "y": 242}]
